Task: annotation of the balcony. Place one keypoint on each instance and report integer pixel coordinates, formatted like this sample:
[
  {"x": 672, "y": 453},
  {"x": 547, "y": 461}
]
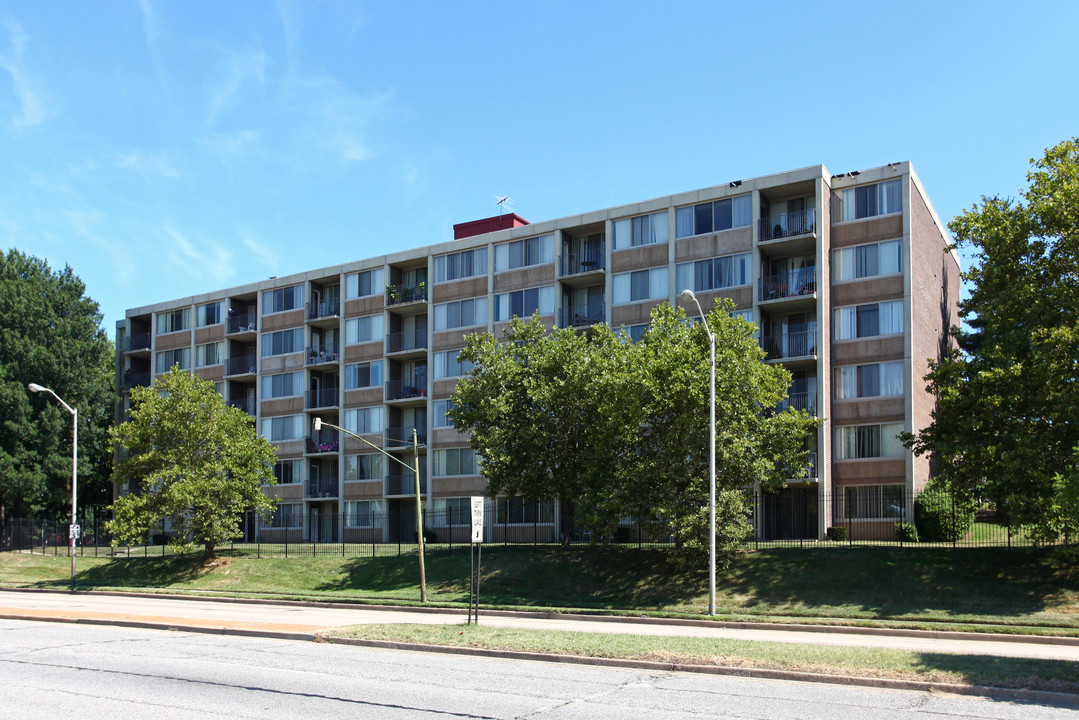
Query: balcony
[
  {"x": 138, "y": 342},
  {"x": 580, "y": 316},
  {"x": 327, "y": 397},
  {"x": 136, "y": 379},
  {"x": 401, "y": 437},
  {"x": 328, "y": 355},
  {"x": 799, "y": 401},
  {"x": 582, "y": 262},
  {"x": 400, "y": 294},
  {"x": 324, "y": 441},
  {"x": 245, "y": 404},
  {"x": 404, "y": 483},
  {"x": 414, "y": 387},
  {"x": 790, "y": 345},
  {"x": 243, "y": 365},
  {"x": 793, "y": 283},
  {"x": 406, "y": 341},
  {"x": 241, "y": 323},
  {"x": 787, "y": 225},
  {"x": 805, "y": 475},
  {"x": 321, "y": 488},
  {"x": 323, "y": 309}
]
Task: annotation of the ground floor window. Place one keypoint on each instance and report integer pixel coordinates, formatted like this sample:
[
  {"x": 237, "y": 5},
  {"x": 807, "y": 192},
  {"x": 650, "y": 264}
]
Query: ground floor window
[
  {"x": 363, "y": 513},
  {"x": 517, "y": 510},
  {"x": 287, "y": 515},
  {"x": 870, "y": 502}
]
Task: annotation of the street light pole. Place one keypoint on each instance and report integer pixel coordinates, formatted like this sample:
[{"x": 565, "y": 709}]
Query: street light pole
[
  {"x": 34, "y": 387},
  {"x": 415, "y": 468},
  {"x": 711, "y": 454}
]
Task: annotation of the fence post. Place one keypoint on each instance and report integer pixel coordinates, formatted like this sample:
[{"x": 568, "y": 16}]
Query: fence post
[{"x": 954, "y": 539}]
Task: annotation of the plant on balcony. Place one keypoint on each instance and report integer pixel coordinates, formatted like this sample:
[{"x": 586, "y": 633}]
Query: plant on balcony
[
  {"x": 393, "y": 294},
  {"x": 421, "y": 291}
]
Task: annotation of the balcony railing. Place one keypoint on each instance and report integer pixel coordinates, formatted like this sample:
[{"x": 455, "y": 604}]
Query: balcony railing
[
  {"x": 245, "y": 404},
  {"x": 136, "y": 379},
  {"x": 582, "y": 315},
  {"x": 322, "y": 488},
  {"x": 322, "y": 355},
  {"x": 324, "y": 441},
  {"x": 242, "y": 323},
  {"x": 243, "y": 365},
  {"x": 401, "y": 436},
  {"x": 396, "y": 294},
  {"x": 810, "y": 470},
  {"x": 402, "y": 341},
  {"x": 792, "y": 283},
  {"x": 326, "y": 397},
  {"x": 788, "y": 224},
  {"x": 413, "y": 387},
  {"x": 324, "y": 308},
  {"x": 790, "y": 345},
  {"x": 799, "y": 401},
  {"x": 404, "y": 483},
  {"x": 582, "y": 262},
  {"x": 139, "y": 342}
]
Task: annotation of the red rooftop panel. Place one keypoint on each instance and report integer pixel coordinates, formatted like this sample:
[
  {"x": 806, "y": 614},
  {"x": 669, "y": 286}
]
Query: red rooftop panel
[{"x": 486, "y": 225}]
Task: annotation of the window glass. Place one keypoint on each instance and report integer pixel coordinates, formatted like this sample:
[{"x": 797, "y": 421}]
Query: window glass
[
  {"x": 282, "y": 299},
  {"x": 282, "y": 342},
  {"x": 455, "y": 266},
  {"x": 209, "y": 314},
  {"x": 463, "y": 313},
  {"x": 365, "y": 466},
  {"x": 363, "y": 329},
  {"x": 210, "y": 354},
  {"x": 363, "y": 284},
  {"x": 361, "y": 375},
  {"x": 281, "y": 385}
]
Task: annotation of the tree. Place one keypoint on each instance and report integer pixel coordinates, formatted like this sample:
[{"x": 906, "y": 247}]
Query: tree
[
  {"x": 1008, "y": 398},
  {"x": 50, "y": 334},
  {"x": 614, "y": 428},
  {"x": 190, "y": 459}
]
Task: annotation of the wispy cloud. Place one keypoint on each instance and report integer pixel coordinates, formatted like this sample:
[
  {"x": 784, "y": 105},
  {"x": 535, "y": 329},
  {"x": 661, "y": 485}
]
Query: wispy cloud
[
  {"x": 87, "y": 225},
  {"x": 341, "y": 125},
  {"x": 231, "y": 145},
  {"x": 292, "y": 34},
  {"x": 29, "y": 96},
  {"x": 260, "y": 250},
  {"x": 205, "y": 262},
  {"x": 148, "y": 165},
  {"x": 151, "y": 30},
  {"x": 240, "y": 67}
]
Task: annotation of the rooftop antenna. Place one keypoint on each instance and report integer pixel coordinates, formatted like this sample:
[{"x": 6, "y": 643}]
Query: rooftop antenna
[{"x": 504, "y": 202}]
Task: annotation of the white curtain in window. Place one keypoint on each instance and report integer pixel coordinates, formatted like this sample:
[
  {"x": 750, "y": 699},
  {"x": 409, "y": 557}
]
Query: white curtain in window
[
  {"x": 742, "y": 211},
  {"x": 891, "y": 317},
  {"x": 891, "y": 257},
  {"x": 890, "y": 444},
  {"x": 849, "y": 205},
  {"x": 846, "y": 382},
  {"x": 659, "y": 227},
  {"x": 657, "y": 283},
  {"x": 843, "y": 264},
  {"x": 891, "y": 197},
  {"x": 621, "y": 286},
  {"x": 891, "y": 378},
  {"x": 683, "y": 222},
  {"x": 845, "y": 322},
  {"x": 683, "y": 274}
]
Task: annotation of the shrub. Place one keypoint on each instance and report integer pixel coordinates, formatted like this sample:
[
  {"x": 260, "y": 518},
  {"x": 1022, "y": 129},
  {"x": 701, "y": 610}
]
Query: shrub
[
  {"x": 836, "y": 533},
  {"x": 941, "y": 516},
  {"x": 905, "y": 532}
]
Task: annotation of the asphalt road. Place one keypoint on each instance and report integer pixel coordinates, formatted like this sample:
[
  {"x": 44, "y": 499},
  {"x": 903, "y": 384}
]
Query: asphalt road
[
  {"x": 54, "y": 670},
  {"x": 307, "y": 620}
]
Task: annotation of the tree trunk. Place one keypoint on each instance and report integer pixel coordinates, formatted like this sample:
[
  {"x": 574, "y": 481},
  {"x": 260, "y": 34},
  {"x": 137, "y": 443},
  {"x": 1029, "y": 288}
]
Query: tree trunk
[
  {"x": 568, "y": 511},
  {"x": 209, "y": 551}
]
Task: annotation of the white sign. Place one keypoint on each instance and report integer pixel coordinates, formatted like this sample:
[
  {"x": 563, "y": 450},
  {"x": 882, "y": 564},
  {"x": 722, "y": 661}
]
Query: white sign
[
  {"x": 73, "y": 532},
  {"x": 477, "y": 518}
]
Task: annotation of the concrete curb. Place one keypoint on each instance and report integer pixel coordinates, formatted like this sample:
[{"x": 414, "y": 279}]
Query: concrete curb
[{"x": 624, "y": 619}]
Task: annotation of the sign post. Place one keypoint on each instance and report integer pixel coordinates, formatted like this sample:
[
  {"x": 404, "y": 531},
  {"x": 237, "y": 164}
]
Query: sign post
[{"x": 476, "y": 556}]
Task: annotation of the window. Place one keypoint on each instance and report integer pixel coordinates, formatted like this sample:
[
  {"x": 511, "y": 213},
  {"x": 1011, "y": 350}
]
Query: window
[
  {"x": 714, "y": 216},
  {"x": 456, "y": 461},
  {"x": 209, "y": 314},
  {"x": 870, "y": 200},
  {"x": 282, "y": 299},
  {"x": 442, "y": 409},
  {"x": 641, "y": 230},
  {"x": 363, "y": 467},
  {"x": 636, "y": 332},
  {"x": 463, "y": 313},
  {"x": 746, "y": 315},
  {"x": 363, "y": 513},
  {"x": 362, "y": 284},
  {"x": 173, "y": 321},
  {"x": 449, "y": 365},
  {"x": 517, "y": 510},
  {"x": 873, "y": 380},
  {"x": 862, "y": 261},
  {"x": 361, "y": 375},
  {"x": 640, "y": 285},
  {"x": 285, "y": 516},
  {"x": 363, "y": 329},
  {"x": 523, "y": 303},
  {"x": 461, "y": 265},
  {"x": 870, "y": 502},
  {"x": 282, "y": 342},
  {"x": 210, "y": 354},
  {"x": 288, "y": 472},
  {"x": 715, "y": 273},
  {"x": 280, "y": 429},
  {"x": 364, "y": 421},
  {"x": 451, "y": 511},
  {"x": 870, "y": 320},
  {"x": 524, "y": 253},
  {"x": 282, "y": 385},
  {"x": 167, "y": 358},
  {"x": 857, "y": 442}
]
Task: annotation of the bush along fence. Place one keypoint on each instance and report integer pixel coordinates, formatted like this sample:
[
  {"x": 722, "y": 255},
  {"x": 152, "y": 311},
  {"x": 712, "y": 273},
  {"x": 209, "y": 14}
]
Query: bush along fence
[{"x": 795, "y": 517}]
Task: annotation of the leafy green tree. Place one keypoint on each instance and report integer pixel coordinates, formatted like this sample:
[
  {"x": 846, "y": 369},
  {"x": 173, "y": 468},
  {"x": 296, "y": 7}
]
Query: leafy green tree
[
  {"x": 50, "y": 334},
  {"x": 1005, "y": 427},
  {"x": 190, "y": 458},
  {"x": 614, "y": 428}
]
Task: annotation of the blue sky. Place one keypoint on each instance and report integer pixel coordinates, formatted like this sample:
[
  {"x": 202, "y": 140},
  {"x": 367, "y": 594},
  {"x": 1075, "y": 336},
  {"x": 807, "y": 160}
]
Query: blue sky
[{"x": 230, "y": 141}]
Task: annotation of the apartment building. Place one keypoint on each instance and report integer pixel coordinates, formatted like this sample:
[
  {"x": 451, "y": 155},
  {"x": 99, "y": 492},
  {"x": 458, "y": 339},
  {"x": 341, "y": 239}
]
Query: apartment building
[{"x": 849, "y": 278}]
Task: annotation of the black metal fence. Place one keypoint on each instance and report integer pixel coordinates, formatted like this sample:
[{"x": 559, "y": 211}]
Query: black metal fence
[{"x": 793, "y": 518}]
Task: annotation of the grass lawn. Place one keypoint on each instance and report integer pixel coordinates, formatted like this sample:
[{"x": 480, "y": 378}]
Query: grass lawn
[
  {"x": 1053, "y": 675},
  {"x": 1010, "y": 590}
]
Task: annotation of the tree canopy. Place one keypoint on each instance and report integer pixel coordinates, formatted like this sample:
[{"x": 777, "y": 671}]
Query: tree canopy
[
  {"x": 614, "y": 428},
  {"x": 50, "y": 334},
  {"x": 191, "y": 459},
  {"x": 1005, "y": 428}
]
